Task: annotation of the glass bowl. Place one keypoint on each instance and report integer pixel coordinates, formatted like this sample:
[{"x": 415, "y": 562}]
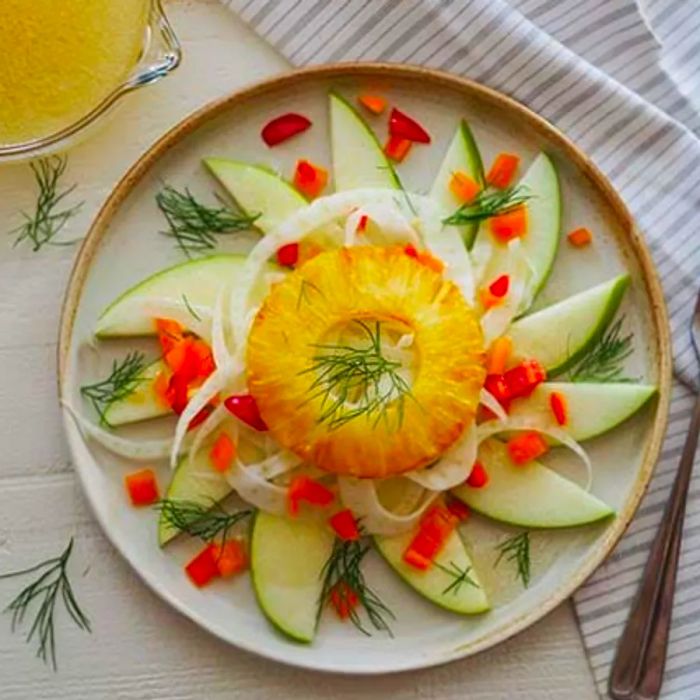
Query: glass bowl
[{"x": 160, "y": 55}]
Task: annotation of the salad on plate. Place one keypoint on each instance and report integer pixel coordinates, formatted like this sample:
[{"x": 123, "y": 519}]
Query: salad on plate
[{"x": 367, "y": 376}]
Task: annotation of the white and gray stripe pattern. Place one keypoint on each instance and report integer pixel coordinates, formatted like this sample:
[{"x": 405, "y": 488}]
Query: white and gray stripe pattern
[{"x": 601, "y": 71}]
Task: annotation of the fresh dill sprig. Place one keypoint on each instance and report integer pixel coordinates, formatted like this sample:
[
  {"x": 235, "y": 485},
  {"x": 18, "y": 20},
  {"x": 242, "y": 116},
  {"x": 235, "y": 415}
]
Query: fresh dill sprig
[
  {"x": 194, "y": 225},
  {"x": 304, "y": 292},
  {"x": 517, "y": 549},
  {"x": 488, "y": 204},
  {"x": 205, "y": 521},
  {"x": 343, "y": 574},
  {"x": 190, "y": 308},
  {"x": 604, "y": 360},
  {"x": 51, "y": 585},
  {"x": 460, "y": 577},
  {"x": 357, "y": 381},
  {"x": 46, "y": 221},
  {"x": 121, "y": 382}
]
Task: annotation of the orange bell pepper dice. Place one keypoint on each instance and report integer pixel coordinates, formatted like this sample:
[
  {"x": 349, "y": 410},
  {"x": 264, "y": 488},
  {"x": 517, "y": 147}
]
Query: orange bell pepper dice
[
  {"x": 376, "y": 104},
  {"x": 503, "y": 170},
  {"x": 310, "y": 179},
  {"x": 463, "y": 187},
  {"x": 509, "y": 225},
  {"x": 222, "y": 453},
  {"x": 580, "y": 237},
  {"x": 526, "y": 447}
]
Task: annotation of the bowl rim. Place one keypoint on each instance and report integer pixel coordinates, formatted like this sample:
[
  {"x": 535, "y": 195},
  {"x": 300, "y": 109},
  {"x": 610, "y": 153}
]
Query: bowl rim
[
  {"x": 630, "y": 233},
  {"x": 167, "y": 59}
]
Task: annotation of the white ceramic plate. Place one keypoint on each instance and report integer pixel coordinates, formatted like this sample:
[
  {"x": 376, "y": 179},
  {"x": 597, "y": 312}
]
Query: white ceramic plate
[{"x": 124, "y": 246}]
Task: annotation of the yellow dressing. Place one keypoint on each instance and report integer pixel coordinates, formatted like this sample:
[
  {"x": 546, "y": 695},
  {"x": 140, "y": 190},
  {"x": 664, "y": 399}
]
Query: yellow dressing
[{"x": 61, "y": 59}]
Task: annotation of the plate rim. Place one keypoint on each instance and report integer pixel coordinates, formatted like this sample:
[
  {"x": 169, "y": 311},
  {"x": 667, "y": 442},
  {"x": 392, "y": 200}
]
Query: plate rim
[{"x": 630, "y": 234}]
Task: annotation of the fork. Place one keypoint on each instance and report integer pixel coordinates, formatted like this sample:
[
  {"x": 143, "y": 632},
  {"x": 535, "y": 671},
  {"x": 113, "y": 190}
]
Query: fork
[{"x": 638, "y": 669}]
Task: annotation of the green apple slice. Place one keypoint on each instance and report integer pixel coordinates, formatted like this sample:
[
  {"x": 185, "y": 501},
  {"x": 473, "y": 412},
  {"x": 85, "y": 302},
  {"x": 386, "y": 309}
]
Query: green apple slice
[
  {"x": 196, "y": 482},
  {"x": 592, "y": 409},
  {"x": 462, "y": 155},
  {"x": 257, "y": 190},
  {"x": 286, "y": 562},
  {"x": 142, "y": 403},
  {"x": 195, "y": 282},
  {"x": 559, "y": 335},
  {"x": 540, "y": 243},
  {"x": 434, "y": 584},
  {"x": 358, "y": 158},
  {"x": 529, "y": 495}
]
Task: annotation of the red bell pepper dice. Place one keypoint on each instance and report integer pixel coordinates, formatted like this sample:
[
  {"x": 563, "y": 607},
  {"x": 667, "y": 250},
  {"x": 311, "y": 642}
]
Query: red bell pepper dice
[
  {"x": 344, "y": 599},
  {"x": 404, "y": 127},
  {"x": 435, "y": 527},
  {"x": 478, "y": 477},
  {"x": 284, "y": 127},
  {"x": 288, "y": 255},
  {"x": 458, "y": 509},
  {"x": 203, "y": 568},
  {"x": 345, "y": 525},
  {"x": 304, "y": 488},
  {"x": 499, "y": 287},
  {"x": 245, "y": 408},
  {"x": 522, "y": 380},
  {"x": 557, "y": 403},
  {"x": 397, "y": 148},
  {"x": 142, "y": 487}
]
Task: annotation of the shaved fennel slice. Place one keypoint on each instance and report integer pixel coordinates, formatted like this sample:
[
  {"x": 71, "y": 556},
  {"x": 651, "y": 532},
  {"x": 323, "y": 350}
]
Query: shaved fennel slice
[
  {"x": 486, "y": 398},
  {"x": 213, "y": 384},
  {"x": 318, "y": 214},
  {"x": 222, "y": 356},
  {"x": 490, "y": 428},
  {"x": 125, "y": 447},
  {"x": 453, "y": 468},
  {"x": 497, "y": 319},
  {"x": 448, "y": 246},
  {"x": 208, "y": 426},
  {"x": 253, "y": 488},
  {"x": 360, "y": 496},
  {"x": 275, "y": 465}
]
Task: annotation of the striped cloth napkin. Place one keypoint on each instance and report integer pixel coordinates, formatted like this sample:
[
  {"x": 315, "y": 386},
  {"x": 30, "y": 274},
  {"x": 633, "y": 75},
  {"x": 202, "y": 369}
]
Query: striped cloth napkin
[{"x": 620, "y": 79}]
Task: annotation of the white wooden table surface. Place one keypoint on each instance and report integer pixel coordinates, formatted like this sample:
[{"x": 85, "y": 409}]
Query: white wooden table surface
[{"x": 141, "y": 648}]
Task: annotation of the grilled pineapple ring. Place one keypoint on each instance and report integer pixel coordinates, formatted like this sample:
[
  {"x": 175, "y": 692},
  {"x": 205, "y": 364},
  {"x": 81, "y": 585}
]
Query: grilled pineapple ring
[{"x": 371, "y": 287}]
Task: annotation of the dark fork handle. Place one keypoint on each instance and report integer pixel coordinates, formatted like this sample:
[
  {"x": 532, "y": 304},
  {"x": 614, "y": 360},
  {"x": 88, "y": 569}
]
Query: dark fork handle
[{"x": 638, "y": 669}]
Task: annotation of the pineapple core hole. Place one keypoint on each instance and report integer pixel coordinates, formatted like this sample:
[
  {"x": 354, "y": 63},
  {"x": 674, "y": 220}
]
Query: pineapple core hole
[{"x": 366, "y": 362}]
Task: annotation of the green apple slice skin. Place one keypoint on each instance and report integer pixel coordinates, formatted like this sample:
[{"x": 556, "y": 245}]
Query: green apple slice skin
[
  {"x": 529, "y": 495},
  {"x": 433, "y": 584},
  {"x": 560, "y": 334},
  {"x": 257, "y": 191},
  {"x": 287, "y": 557},
  {"x": 196, "y": 281},
  {"x": 358, "y": 158},
  {"x": 462, "y": 155},
  {"x": 592, "y": 409},
  {"x": 541, "y": 241},
  {"x": 194, "y": 481}
]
